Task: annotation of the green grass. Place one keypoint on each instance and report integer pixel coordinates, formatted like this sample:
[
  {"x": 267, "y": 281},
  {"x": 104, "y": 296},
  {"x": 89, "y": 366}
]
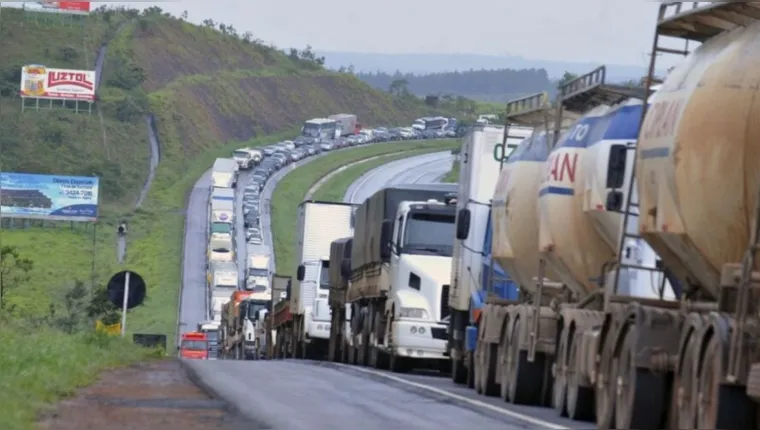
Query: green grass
[
  {"x": 291, "y": 190},
  {"x": 41, "y": 366},
  {"x": 335, "y": 188},
  {"x": 453, "y": 175}
]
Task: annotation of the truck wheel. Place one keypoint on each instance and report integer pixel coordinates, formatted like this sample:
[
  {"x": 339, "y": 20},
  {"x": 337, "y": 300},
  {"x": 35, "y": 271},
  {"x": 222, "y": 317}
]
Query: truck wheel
[
  {"x": 398, "y": 364},
  {"x": 478, "y": 367},
  {"x": 458, "y": 371},
  {"x": 580, "y": 398},
  {"x": 526, "y": 378},
  {"x": 685, "y": 385},
  {"x": 470, "y": 370},
  {"x": 721, "y": 406},
  {"x": 488, "y": 373},
  {"x": 606, "y": 383},
  {"x": 559, "y": 388},
  {"x": 641, "y": 400}
]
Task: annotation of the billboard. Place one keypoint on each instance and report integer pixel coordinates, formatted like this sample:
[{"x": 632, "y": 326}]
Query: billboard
[
  {"x": 49, "y": 197},
  {"x": 57, "y": 84},
  {"x": 75, "y": 7}
]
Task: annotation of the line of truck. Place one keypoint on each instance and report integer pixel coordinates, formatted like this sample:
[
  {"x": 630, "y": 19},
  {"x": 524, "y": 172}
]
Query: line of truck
[{"x": 613, "y": 274}]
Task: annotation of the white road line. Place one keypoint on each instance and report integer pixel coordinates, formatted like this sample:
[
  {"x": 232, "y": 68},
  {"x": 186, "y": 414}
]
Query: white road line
[{"x": 473, "y": 402}]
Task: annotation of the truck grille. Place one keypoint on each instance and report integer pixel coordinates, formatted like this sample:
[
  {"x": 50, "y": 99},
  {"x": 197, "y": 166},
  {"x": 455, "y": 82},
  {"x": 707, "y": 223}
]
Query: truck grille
[{"x": 445, "y": 310}]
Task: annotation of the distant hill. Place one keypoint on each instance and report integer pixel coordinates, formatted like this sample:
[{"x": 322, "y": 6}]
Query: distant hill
[
  {"x": 483, "y": 85},
  {"x": 434, "y": 63}
]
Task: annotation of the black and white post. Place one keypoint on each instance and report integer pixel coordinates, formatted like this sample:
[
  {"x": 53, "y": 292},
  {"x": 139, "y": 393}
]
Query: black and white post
[{"x": 124, "y": 305}]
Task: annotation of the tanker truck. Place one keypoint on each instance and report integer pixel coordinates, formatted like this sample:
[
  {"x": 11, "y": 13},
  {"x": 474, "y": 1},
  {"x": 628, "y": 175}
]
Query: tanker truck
[
  {"x": 400, "y": 266},
  {"x": 340, "y": 275},
  {"x": 480, "y": 160},
  {"x": 532, "y": 352},
  {"x": 692, "y": 365}
]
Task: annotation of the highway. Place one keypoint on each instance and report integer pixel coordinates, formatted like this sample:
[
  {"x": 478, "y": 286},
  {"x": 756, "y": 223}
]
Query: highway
[{"x": 295, "y": 394}]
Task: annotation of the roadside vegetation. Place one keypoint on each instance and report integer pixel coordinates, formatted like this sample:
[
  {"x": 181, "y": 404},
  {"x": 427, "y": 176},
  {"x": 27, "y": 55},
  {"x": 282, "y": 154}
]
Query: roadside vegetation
[
  {"x": 290, "y": 191},
  {"x": 334, "y": 189},
  {"x": 453, "y": 175}
]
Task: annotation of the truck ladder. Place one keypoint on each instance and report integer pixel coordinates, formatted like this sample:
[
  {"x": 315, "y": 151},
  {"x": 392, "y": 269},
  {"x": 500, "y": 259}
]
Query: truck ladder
[{"x": 531, "y": 111}]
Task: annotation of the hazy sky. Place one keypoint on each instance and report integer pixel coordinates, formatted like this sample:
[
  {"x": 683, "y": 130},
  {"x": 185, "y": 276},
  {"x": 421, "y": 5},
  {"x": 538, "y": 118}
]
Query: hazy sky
[{"x": 614, "y": 31}]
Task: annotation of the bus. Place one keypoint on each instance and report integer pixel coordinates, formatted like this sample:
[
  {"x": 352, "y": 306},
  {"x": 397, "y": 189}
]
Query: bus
[
  {"x": 431, "y": 123},
  {"x": 320, "y": 129},
  {"x": 194, "y": 346}
]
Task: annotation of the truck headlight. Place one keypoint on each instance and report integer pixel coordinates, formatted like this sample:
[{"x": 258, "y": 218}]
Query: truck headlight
[{"x": 417, "y": 313}]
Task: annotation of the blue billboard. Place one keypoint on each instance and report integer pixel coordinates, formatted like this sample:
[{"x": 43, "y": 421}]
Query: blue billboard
[{"x": 51, "y": 197}]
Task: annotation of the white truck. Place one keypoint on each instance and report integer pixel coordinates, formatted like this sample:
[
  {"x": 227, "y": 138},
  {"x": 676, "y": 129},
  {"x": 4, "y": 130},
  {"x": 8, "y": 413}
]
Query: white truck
[
  {"x": 258, "y": 272},
  {"x": 319, "y": 223},
  {"x": 222, "y": 280},
  {"x": 346, "y": 123},
  {"x": 480, "y": 163},
  {"x": 220, "y": 249},
  {"x": 247, "y": 158},
  {"x": 224, "y": 173},
  {"x": 399, "y": 270}
]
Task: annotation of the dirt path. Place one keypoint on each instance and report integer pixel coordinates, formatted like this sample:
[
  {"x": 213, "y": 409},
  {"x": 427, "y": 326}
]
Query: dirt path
[{"x": 150, "y": 396}]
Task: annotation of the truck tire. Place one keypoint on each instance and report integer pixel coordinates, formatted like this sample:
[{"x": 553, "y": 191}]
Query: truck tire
[
  {"x": 458, "y": 371},
  {"x": 580, "y": 398},
  {"x": 641, "y": 402},
  {"x": 398, "y": 364},
  {"x": 526, "y": 378}
]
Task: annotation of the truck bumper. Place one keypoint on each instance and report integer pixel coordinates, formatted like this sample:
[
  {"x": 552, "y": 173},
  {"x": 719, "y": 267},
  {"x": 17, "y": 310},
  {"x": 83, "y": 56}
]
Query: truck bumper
[
  {"x": 415, "y": 340},
  {"x": 318, "y": 329}
]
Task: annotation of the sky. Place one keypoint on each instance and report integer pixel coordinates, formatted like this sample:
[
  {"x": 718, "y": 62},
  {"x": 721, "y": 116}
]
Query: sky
[{"x": 612, "y": 31}]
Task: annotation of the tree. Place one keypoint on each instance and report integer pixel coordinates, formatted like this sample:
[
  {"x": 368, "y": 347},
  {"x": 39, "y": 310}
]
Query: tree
[
  {"x": 398, "y": 87},
  {"x": 183, "y": 16},
  {"x": 14, "y": 270},
  {"x": 567, "y": 77}
]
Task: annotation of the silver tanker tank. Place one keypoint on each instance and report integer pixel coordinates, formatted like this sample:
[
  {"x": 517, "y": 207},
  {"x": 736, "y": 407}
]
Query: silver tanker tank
[{"x": 515, "y": 211}]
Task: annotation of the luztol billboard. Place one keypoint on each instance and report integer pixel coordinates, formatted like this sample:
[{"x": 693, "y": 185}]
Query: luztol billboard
[
  {"x": 77, "y": 7},
  {"x": 51, "y": 197},
  {"x": 58, "y": 84}
]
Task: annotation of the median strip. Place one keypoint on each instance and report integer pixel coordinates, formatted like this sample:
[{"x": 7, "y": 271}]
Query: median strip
[{"x": 292, "y": 189}]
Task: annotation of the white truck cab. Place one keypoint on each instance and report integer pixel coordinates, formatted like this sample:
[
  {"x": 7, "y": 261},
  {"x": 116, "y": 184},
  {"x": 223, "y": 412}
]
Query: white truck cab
[
  {"x": 421, "y": 256},
  {"x": 247, "y": 158}
]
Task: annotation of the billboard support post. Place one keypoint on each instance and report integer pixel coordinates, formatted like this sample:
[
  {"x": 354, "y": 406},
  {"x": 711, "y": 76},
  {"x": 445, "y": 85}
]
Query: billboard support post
[{"x": 94, "y": 246}]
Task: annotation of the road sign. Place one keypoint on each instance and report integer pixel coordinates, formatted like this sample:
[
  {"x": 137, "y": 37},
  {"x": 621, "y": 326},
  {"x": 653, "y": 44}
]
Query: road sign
[{"x": 129, "y": 282}]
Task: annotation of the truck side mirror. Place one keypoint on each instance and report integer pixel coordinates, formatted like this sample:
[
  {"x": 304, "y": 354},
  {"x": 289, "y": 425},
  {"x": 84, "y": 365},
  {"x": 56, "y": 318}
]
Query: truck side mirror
[
  {"x": 463, "y": 224},
  {"x": 287, "y": 291},
  {"x": 345, "y": 268},
  {"x": 386, "y": 234},
  {"x": 616, "y": 166},
  {"x": 300, "y": 272},
  {"x": 614, "y": 201}
]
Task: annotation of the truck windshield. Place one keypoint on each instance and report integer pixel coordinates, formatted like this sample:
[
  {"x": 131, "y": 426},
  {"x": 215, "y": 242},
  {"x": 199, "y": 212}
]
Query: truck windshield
[
  {"x": 255, "y": 306},
  {"x": 257, "y": 272},
  {"x": 429, "y": 232},
  {"x": 212, "y": 336},
  {"x": 220, "y": 227},
  {"x": 324, "y": 275},
  {"x": 241, "y": 154},
  {"x": 195, "y": 345},
  {"x": 310, "y": 129}
]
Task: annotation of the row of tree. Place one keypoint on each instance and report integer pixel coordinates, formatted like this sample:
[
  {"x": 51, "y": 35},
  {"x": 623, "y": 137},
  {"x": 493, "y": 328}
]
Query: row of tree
[{"x": 490, "y": 85}]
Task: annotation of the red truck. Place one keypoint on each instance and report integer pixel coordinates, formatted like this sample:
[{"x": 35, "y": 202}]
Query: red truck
[{"x": 194, "y": 346}]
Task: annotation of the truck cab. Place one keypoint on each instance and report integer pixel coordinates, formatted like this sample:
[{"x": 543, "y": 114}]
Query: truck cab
[
  {"x": 211, "y": 329},
  {"x": 314, "y": 277},
  {"x": 420, "y": 260},
  {"x": 194, "y": 346},
  {"x": 251, "y": 313},
  {"x": 246, "y": 158}
]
